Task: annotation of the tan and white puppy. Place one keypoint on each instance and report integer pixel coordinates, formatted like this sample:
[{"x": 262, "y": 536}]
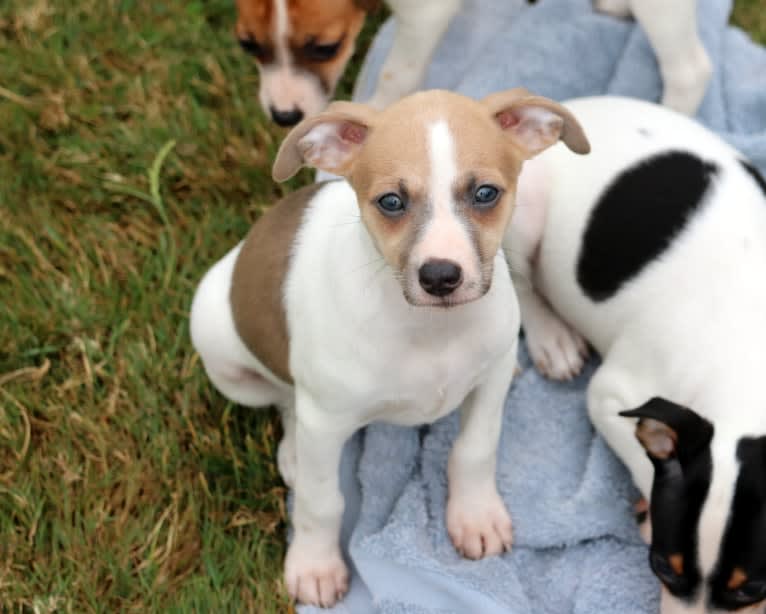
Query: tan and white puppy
[
  {"x": 384, "y": 296},
  {"x": 301, "y": 48}
]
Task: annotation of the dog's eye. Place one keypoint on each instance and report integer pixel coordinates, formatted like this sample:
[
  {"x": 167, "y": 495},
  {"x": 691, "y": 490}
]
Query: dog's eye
[
  {"x": 391, "y": 204},
  {"x": 485, "y": 195},
  {"x": 252, "y": 46},
  {"x": 321, "y": 53}
]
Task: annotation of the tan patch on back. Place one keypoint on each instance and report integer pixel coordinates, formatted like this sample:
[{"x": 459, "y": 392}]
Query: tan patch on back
[
  {"x": 737, "y": 579},
  {"x": 257, "y": 302}
]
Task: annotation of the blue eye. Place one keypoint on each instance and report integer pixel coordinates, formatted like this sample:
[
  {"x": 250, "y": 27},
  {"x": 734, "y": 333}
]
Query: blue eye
[
  {"x": 391, "y": 204},
  {"x": 485, "y": 195}
]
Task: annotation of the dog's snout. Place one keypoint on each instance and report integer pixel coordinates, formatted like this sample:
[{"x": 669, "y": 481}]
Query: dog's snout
[
  {"x": 440, "y": 277},
  {"x": 286, "y": 118}
]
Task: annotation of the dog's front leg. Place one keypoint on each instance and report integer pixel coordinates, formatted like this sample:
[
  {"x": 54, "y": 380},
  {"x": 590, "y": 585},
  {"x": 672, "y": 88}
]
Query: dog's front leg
[
  {"x": 420, "y": 25},
  {"x": 314, "y": 569},
  {"x": 477, "y": 520}
]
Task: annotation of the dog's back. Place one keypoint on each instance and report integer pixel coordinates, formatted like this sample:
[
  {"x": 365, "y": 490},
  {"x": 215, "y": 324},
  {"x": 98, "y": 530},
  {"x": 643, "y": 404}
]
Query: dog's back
[{"x": 657, "y": 187}]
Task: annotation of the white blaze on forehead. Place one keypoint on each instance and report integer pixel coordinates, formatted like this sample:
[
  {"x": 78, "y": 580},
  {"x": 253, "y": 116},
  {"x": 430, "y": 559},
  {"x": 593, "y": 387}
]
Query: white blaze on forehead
[
  {"x": 717, "y": 506},
  {"x": 443, "y": 163},
  {"x": 445, "y": 235},
  {"x": 280, "y": 25}
]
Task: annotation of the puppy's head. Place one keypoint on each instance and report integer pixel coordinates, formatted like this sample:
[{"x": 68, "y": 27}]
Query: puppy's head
[
  {"x": 708, "y": 511},
  {"x": 301, "y": 48},
  {"x": 435, "y": 177}
]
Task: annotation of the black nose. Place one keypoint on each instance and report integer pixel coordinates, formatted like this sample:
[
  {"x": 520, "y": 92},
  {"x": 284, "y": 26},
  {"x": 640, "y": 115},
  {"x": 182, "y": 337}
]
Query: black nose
[
  {"x": 440, "y": 277},
  {"x": 286, "y": 118}
]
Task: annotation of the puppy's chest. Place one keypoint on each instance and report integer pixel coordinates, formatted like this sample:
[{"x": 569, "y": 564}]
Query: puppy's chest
[{"x": 426, "y": 381}]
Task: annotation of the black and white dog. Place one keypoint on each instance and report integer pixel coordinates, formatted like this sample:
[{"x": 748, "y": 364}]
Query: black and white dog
[{"x": 653, "y": 249}]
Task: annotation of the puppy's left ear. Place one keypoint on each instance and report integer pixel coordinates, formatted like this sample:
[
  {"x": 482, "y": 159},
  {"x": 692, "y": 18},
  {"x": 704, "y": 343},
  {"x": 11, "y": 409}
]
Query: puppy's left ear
[
  {"x": 668, "y": 430},
  {"x": 329, "y": 141},
  {"x": 536, "y": 122}
]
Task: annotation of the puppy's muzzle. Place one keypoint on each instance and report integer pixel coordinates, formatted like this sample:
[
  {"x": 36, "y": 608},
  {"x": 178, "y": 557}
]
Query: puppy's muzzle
[{"x": 440, "y": 277}]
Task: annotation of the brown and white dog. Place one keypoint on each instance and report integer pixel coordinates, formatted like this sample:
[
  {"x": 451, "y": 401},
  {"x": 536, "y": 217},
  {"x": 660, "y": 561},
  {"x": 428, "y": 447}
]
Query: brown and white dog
[
  {"x": 301, "y": 48},
  {"x": 384, "y": 296}
]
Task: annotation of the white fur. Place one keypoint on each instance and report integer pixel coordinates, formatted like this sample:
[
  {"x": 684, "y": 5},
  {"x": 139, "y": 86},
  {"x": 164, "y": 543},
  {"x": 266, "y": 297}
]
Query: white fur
[
  {"x": 359, "y": 352},
  {"x": 444, "y": 236},
  {"x": 689, "y": 328}
]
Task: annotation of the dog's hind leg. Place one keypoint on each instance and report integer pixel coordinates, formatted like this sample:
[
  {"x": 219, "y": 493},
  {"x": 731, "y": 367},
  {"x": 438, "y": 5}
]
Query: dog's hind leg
[
  {"x": 231, "y": 367},
  {"x": 684, "y": 64},
  {"x": 612, "y": 390}
]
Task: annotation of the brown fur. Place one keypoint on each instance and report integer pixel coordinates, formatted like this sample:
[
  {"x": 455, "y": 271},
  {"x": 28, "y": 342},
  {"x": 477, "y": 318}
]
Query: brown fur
[
  {"x": 658, "y": 438},
  {"x": 323, "y": 21},
  {"x": 258, "y": 278},
  {"x": 676, "y": 562},
  {"x": 737, "y": 579}
]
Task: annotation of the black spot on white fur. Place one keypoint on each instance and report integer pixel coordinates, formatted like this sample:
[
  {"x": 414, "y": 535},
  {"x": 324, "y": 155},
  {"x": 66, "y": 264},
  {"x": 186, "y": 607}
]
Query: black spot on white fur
[
  {"x": 744, "y": 543},
  {"x": 637, "y": 218}
]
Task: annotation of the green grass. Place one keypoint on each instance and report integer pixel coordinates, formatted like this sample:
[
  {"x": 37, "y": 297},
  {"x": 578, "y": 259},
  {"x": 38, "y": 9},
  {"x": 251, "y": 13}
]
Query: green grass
[{"x": 133, "y": 154}]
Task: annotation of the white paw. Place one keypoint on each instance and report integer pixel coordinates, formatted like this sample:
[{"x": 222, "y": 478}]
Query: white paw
[
  {"x": 616, "y": 8},
  {"x": 556, "y": 349},
  {"x": 480, "y": 526},
  {"x": 315, "y": 578},
  {"x": 286, "y": 460}
]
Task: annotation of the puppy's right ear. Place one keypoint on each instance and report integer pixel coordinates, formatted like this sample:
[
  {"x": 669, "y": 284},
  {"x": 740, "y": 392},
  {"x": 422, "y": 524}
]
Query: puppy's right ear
[
  {"x": 668, "y": 430},
  {"x": 329, "y": 141}
]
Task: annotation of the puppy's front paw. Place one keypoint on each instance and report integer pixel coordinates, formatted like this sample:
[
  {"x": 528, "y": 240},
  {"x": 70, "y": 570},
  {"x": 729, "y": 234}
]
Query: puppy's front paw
[
  {"x": 556, "y": 349},
  {"x": 479, "y": 527},
  {"x": 315, "y": 578}
]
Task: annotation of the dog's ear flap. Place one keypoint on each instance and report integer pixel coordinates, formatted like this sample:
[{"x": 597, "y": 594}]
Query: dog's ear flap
[
  {"x": 668, "y": 430},
  {"x": 329, "y": 141},
  {"x": 536, "y": 122}
]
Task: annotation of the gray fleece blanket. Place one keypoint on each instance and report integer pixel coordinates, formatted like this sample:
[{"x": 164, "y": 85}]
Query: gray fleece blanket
[{"x": 577, "y": 548}]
